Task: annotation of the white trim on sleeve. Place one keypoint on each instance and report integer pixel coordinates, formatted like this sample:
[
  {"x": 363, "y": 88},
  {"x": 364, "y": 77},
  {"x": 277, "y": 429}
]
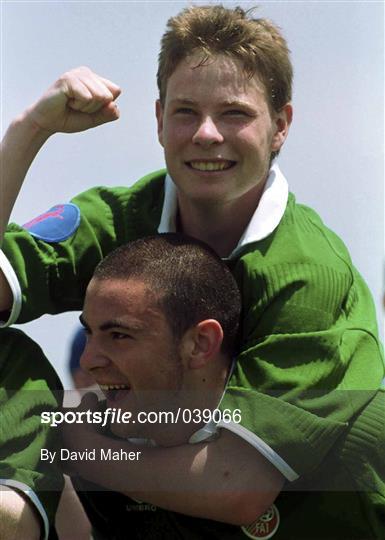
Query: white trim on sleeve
[
  {"x": 209, "y": 432},
  {"x": 13, "y": 282},
  {"x": 263, "y": 448},
  {"x": 19, "y": 486}
]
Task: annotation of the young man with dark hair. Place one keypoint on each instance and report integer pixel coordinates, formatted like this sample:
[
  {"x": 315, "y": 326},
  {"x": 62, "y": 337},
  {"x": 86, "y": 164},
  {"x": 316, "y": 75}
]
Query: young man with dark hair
[
  {"x": 161, "y": 317},
  {"x": 308, "y": 331}
]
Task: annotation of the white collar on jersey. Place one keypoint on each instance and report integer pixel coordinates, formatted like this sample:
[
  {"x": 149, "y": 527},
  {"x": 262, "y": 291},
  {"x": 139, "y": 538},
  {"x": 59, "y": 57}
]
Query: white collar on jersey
[{"x": 264, "y": 221}]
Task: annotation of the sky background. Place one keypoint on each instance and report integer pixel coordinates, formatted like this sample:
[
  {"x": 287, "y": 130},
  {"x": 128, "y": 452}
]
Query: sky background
[{"x": 333, "y": 158}]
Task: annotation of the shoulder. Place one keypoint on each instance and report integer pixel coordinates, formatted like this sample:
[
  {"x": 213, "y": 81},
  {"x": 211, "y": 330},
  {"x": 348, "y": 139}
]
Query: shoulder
[
  {"x": 23, "y": 365},
  {"x": 301, "y": 271},
  {"x": 133, "y": 210},
  {"x": 303, "y": 235},
  {"x": 149, "y": 186},
  {"x": 301, "y": 241}
]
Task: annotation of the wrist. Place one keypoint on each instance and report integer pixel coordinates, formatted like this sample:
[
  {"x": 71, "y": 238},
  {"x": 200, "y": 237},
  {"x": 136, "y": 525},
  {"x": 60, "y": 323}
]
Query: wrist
[{"x": 32, "y": 131}]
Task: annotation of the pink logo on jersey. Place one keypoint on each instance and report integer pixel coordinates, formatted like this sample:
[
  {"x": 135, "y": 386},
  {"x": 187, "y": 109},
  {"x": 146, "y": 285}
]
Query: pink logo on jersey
[{"x": 56, "y": 212}]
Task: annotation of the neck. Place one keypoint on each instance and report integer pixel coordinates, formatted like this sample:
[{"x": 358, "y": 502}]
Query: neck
[
  {"x": 218, "y": 224},
  {"x": 202, "y": 392}
]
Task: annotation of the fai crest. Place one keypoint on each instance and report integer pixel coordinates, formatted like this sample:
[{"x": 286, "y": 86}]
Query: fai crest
[{"x": 265, "y": 526}]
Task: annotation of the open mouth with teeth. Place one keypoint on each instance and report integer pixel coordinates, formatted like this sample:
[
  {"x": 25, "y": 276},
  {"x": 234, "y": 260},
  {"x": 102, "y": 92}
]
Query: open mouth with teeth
[
  {"x": 211, "y": 166},
  {"x": 114, "y": 392}
]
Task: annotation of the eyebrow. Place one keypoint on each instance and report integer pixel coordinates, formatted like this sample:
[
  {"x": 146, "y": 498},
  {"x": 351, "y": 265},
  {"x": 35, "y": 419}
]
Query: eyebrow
[
  {"x": 235, "y": 103},
  {"x": 113, "y": 323},
  {"x": 225, "y": 103},
  {"x": 183, "y": 100}
]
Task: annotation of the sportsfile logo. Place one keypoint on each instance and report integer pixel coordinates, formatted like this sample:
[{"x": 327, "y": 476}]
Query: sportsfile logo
[
  {"x": 108, "y": 416},
  {"x": 112, "y": 415}
]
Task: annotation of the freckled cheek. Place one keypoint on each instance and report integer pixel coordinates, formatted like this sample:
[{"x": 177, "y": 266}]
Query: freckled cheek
[
  {"x": 177, "y": 134},
  {"x": 252, "y": 146},
  {"x": 244, "y": 146}
]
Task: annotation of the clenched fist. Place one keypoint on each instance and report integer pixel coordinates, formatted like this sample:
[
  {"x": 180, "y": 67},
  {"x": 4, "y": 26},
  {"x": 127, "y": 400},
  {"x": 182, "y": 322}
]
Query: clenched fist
[{"x": 77, "y": 101}]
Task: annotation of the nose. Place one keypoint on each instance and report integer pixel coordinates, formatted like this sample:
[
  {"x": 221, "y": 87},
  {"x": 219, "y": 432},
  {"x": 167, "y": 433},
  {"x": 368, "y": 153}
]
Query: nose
[
  {"x": 207, "y": 133},
  {"x": 93, "y": 357}
]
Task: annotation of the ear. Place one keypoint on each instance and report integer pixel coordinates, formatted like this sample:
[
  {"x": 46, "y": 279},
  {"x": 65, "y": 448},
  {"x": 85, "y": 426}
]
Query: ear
[
  {"x": 201, "y": 344},
  {"x": 159, "y": 119},
  {"x": 281, "y": 121}
]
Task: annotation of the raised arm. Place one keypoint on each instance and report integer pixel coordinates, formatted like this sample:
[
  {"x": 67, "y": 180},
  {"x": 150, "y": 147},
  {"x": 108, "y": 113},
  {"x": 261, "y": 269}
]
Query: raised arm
[{"x": 77, "y": 101}]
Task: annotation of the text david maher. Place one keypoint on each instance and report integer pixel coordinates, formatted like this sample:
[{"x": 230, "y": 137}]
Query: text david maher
[{"x": 102, "y": 454}]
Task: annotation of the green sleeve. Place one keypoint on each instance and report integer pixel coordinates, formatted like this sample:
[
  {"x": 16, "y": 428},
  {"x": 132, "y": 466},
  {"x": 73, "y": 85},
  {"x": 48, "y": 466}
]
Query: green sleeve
[
  {"x": 310, "y": 357},
  {"x": 53, "y": 276},
  {"x": 29, "y": 386}
]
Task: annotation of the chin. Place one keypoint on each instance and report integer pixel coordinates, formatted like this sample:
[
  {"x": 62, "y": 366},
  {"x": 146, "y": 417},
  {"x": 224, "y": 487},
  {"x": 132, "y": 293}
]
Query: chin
[{"x": 205, "y": 193}]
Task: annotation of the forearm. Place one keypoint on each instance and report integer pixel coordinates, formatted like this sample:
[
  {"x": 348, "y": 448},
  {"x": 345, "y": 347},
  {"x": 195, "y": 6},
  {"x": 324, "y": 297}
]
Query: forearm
[
  {"x": 226, "y": 480},
  {"x": 19, "y": 147},
  {"x": 77, "y": 101},
  {"x": 17, "y": 518}
]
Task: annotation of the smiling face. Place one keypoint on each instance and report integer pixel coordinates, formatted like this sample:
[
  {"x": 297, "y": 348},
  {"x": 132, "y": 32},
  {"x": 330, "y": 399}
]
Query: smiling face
[
  {"x": 217, "y": 130},
  {"x": 130, "y": 351}
]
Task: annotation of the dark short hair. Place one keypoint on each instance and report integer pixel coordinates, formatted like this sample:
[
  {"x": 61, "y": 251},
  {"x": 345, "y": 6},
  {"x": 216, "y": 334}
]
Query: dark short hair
[{"x": 190, "y": 281}]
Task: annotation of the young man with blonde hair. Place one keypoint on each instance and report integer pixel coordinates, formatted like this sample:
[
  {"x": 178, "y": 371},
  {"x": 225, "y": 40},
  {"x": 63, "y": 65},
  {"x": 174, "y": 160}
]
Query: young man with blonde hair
[{"x": 308, "y": 333}]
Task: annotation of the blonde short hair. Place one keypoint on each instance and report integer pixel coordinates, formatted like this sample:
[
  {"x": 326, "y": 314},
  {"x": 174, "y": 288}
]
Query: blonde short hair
[{"x": 213, "y": 30}]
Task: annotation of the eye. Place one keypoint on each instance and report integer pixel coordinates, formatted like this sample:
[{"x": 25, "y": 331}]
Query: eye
[
  {"x": 184, "y": 110},
  {"x": 236, "y": 112},
  {"x": 119, "y": 336}
]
